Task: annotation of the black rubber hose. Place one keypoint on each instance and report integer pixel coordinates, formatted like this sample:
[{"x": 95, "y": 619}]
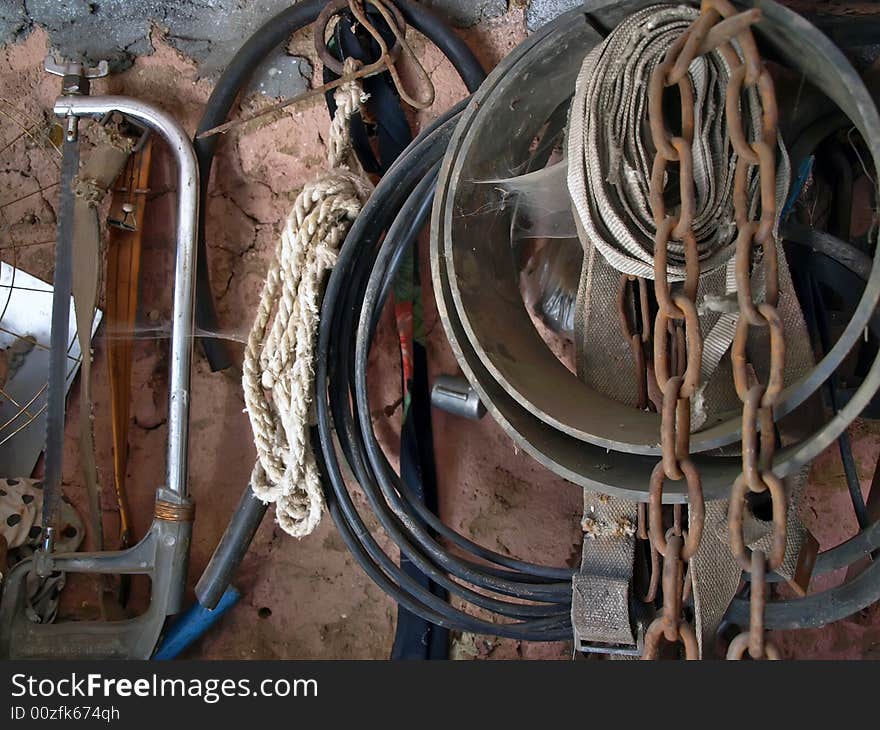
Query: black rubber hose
[
  {"x": 237, "y": 74},
  {"x": 235, "y": 77},
  {"x": 355, "y": 232},
  {"x": 354, "y": 541},
  {"x": 413, "y": 533},
  {"x": 844, "y": 253},
  {"x": 365, "y": 231},
  {"x": 416, "y": 218},
  {"x": 334, "y": 378},
  {"x": 231, "y": 550},
  {"x": 400, "y": 236}
]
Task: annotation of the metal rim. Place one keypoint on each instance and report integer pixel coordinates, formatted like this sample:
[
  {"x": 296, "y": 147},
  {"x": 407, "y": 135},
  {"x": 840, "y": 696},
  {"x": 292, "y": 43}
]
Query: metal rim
[{"x": 581, "y": 461}]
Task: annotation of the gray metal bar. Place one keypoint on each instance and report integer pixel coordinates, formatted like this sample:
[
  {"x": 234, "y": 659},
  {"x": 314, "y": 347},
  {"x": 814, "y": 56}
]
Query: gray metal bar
[{"x": 60, "y": 333}]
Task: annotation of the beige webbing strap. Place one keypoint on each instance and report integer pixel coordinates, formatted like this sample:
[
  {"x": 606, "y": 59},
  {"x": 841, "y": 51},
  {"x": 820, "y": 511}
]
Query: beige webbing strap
[
  {"x": 716, "y": 577},
  {"x": 600, "y": 605},
  {"x": 714, "y": 574},
  {"x": 91, "y": 185}
]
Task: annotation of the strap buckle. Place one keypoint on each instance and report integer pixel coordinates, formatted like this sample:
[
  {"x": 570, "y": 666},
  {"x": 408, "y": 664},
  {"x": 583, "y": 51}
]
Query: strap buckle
[{"x": 598, "y": 605}]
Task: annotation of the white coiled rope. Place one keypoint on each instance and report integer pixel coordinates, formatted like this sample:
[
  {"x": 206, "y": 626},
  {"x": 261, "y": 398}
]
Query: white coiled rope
[{"x": 278, "y": 369}]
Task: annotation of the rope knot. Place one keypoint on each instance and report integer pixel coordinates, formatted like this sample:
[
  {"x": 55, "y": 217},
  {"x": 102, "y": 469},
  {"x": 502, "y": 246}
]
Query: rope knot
[{"x": 348, "y": 97}]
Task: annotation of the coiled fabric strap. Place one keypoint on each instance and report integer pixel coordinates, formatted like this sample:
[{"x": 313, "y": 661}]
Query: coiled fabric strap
[
  {"x": 610, "y": 156},
  {"x": 610, "y": 153}
]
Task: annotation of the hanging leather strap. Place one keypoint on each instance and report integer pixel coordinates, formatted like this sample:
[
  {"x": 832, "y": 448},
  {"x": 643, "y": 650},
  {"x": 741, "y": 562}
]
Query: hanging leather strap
[{"x": 96, "y": 175}]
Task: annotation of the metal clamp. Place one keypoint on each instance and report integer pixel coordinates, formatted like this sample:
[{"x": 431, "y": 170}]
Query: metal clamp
[
  {"x": 74, "y": 82},
  {"x": 591, "y": 598},
  {"x": 454, "y": 394},
  {"x": 75, "y": 76}
]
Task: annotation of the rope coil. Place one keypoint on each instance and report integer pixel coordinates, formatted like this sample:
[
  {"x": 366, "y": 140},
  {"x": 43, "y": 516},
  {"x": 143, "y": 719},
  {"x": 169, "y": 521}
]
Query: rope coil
[{"x": 278, "y": 369}]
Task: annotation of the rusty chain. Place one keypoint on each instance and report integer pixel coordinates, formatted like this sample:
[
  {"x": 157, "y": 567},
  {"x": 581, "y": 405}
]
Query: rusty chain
[
  {"x": 715, "y": 30},
  {"x": 753, "y": 641},
  {"x": 676, "y": 315}
]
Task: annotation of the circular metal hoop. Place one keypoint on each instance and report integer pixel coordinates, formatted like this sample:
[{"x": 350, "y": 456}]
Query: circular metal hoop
[{"x": 577, "y": 433}]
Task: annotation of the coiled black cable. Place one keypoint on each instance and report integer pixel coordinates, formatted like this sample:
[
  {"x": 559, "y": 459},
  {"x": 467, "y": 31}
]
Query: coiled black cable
[
  {"x": 539, "y": 608},
  {"x": 355, "y": 294}
]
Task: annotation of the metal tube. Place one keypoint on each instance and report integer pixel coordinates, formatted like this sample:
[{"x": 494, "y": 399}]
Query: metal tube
[
  {"x": 184, "y": 268},
  {"x": 231, "y": 550}
]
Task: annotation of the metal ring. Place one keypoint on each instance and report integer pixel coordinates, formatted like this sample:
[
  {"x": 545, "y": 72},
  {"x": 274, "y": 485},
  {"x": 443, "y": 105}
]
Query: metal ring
[
  {"x": 672, "y": 580},
  {"x": 334, "y": 7},
  {"x": 696, "y": 509},
  {"x": 173, "y": 512},
  {"x": 669, "y": 429},
  {"x": 587, "y": 452},
  {"x": 696, "y": 36},
  {"x": 694, "y": 346},
  {"x": 740, "y": 646},
  {"x": 776, "y": 380},
  {"x": 750, "y": 451},
  {"x": 738, "y": 140},
  {"x": 746, "y": 39}
]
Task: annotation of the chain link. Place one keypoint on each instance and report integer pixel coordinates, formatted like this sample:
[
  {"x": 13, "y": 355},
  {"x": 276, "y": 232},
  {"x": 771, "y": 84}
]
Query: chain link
[
  {"x": 677, "y": 368},
  {"x": 635, "y": 324},
  {"x": 758, "y": 400},
  {"x": 754, "y": 640},
  {"x": 718, "y": 25}
]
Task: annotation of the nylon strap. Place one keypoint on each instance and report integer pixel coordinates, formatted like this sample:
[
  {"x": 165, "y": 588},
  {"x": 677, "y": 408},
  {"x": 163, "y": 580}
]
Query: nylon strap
[{"x": 601, "y": 591}]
